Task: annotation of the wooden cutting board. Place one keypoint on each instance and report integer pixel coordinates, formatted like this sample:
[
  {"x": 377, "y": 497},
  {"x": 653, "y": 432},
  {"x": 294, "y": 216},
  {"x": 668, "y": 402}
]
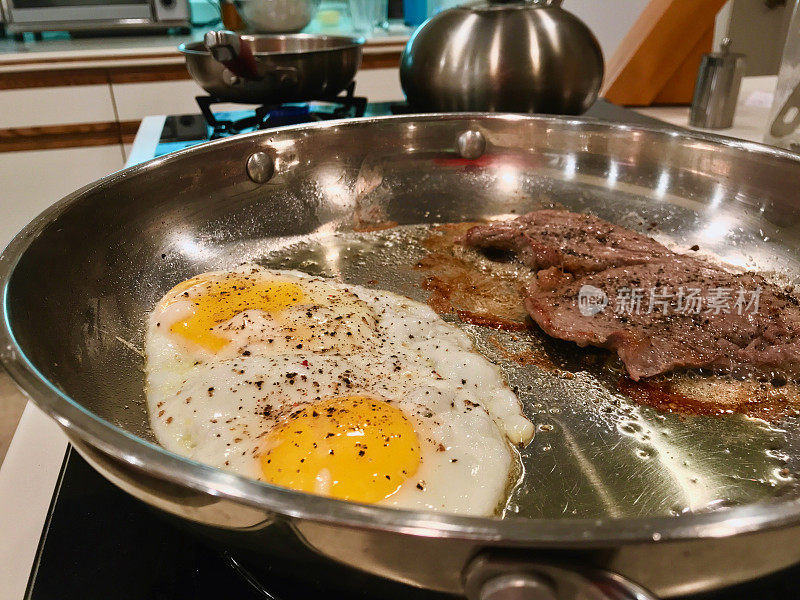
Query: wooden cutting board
[{"x": 657, "y": 61}]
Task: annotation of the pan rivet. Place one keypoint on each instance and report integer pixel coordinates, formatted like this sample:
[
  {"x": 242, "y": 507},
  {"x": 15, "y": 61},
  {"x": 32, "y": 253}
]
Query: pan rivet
[
  {"x": 260, "y": 167},
  {"x": 229, "y": 78},
  {"x": 471, "y": 144},
  {"x": 514, "y": 586}
]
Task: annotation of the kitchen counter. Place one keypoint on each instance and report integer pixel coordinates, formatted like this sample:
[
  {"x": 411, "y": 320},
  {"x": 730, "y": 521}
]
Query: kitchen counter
[
  {"x": 751, "y": 117},
  {"x": 62, "y": 52},
  {"x": 75, "y": 96}
]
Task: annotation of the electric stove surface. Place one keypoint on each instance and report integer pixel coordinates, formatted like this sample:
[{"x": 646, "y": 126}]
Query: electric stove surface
[{"x": 99, "y": 543}]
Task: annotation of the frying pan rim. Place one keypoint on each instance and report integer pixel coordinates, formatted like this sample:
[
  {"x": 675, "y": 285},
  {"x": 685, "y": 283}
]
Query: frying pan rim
[{"x": 123, "y": 446}]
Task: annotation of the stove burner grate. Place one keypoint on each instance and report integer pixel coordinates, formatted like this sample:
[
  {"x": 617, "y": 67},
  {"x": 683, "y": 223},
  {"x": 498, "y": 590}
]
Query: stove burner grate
[{"x": 276, "y": 115}]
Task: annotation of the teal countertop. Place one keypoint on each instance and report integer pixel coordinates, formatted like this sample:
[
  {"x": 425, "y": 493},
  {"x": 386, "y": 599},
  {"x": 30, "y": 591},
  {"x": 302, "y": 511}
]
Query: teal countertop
[{"x": 58, "y": 46}]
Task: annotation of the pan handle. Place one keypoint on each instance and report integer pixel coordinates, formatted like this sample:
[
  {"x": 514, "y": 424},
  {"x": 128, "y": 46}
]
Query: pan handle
[
  {"x": 497, "y": 577},
  {"x": 226, "y": 47}
]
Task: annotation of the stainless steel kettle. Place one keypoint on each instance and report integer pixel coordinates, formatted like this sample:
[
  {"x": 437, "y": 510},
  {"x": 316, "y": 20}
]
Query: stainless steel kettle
[{"x": 501, "y": 55}]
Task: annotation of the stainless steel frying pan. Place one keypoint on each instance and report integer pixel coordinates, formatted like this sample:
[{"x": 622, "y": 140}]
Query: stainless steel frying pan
[
  {"x": 613, "y": 493},
  {"x": 272, "y": 69}
]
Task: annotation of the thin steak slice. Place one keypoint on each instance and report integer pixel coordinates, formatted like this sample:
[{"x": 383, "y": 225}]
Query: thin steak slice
[
  {"x": 742, "y": 324},
  {"x": 574, "y": 242}
]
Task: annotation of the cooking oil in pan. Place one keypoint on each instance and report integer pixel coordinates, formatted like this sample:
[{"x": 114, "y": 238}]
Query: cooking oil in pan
[{"x": 596, "y": 452}]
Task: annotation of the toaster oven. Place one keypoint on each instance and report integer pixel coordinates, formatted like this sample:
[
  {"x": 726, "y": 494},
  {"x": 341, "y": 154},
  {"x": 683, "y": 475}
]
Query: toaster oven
[{"x": 99, "y": 15}]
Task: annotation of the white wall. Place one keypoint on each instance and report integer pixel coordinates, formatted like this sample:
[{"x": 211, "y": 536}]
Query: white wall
[
  {"x": 756, "y": 31},
  {"x": 610, "y": 20}
]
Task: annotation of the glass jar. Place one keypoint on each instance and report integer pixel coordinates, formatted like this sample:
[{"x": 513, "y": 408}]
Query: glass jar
[{"x": 369, "y": 14}]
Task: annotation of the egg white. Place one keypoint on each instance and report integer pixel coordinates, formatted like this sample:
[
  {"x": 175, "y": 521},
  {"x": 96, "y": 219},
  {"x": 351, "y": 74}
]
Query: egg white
[{"x": 217, "y": 407}]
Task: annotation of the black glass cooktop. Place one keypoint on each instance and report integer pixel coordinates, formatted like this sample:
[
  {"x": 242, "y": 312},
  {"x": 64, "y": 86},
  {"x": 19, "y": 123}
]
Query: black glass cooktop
[{"x": 99, "y": 543}]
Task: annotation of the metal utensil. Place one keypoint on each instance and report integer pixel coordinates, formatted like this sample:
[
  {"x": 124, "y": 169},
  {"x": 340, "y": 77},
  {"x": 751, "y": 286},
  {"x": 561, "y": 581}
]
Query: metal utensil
[
  {"x": 717, "y": 88},
  {"x": 519, "y": 55},
  {"x": 272, "y": 69},
  {"x": 675, "y": 504},
  {"x": 784, "y": 115},
  {"x": 788, "y": 117}
]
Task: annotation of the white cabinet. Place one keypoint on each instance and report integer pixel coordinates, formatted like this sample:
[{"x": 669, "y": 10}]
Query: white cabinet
[
  {"x": 379, "y": 85},
  {"x": 135, "y": 101},
  {"x": 32, "y": 181},
  {"x": 37, "y": 106}
]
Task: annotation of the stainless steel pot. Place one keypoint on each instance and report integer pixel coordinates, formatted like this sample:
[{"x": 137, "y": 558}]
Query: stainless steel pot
[
  {"x": 612, "y": 492},
  {"x": 272, "y": 69},
  {"x": 277, "y": 16},
  {"x": 503, "y": 55}
]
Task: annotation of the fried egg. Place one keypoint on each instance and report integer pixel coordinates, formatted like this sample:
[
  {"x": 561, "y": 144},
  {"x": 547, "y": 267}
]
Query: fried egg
[{"x": 331, "y": 389}]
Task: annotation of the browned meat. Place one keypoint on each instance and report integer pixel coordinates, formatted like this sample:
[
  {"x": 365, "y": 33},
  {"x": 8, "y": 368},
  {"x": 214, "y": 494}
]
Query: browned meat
[
  {"x": 602, "y": 285},
  {"x": 574, "y": 242},
  {"x": 674, "y": 313}
]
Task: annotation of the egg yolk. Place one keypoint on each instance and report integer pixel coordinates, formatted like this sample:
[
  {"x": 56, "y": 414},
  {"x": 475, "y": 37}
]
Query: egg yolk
[
  {"x": 221, "y": 300},
  {"x": 354, "y": 448}
]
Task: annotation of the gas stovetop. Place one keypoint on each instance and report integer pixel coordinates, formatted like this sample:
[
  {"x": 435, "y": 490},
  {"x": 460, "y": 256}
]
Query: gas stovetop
[
  {"x": 99, "y": 543},
  {"x": 341, "y": 106},
  {"x": 182, "y": 131}
]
